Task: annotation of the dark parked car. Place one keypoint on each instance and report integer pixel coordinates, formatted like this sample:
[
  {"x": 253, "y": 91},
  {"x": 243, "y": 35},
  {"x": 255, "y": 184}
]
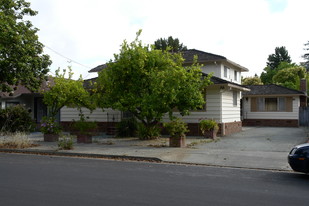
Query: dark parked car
[{"x": 299, "y": 158}]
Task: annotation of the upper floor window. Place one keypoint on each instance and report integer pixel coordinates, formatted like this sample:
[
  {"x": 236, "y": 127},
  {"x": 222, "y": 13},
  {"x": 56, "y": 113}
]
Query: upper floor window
[
  {"x": 235, "y": 75},
  {"x": 226, "y": 72}
]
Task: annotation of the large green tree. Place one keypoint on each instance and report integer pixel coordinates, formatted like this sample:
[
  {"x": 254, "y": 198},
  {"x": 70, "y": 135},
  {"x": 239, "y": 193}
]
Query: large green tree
[
  {"x": 170, "y": 43},
  {"x": 21, "y": 54},
  {"x": 274, "y": 64},
  {"x": 150, "y": 83}
]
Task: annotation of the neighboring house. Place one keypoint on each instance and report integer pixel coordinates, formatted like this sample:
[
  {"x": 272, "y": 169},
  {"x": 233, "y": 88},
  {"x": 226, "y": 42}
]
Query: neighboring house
[
  {"x": 273, "y": 105},
  {"x": 32, "y": 101},
  {"x": 222, "y": 98}
]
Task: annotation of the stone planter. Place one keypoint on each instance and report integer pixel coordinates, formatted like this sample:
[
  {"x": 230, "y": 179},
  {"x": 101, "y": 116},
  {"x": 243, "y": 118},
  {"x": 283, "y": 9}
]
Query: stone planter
[
  {"x": 51, "y": 137},
  {"x": 84, "y": 138},
  {"x": 178, "y": 141},
  {"x": 211, "y": 134}
]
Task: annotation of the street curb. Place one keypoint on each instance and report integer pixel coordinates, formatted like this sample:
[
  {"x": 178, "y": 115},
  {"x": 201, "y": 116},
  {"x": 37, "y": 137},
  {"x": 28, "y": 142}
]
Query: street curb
[
  {"x": 75, "y": 154},
  {"x": 124, "y": 157}
]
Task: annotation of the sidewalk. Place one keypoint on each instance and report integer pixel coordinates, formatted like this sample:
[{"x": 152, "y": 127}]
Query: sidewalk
[{"x": 256, "y": 148}]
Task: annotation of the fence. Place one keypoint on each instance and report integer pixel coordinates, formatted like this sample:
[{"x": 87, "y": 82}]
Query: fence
[{"x": 303, "y": 116}]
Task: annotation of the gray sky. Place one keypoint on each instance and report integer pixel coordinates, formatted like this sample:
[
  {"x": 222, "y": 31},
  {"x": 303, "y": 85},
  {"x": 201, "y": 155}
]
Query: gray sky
[{"x": 84, "y": 34}]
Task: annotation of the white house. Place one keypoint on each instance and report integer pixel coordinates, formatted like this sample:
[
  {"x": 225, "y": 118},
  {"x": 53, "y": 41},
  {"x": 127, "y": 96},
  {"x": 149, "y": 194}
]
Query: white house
[{"x": 222, "y": 98}]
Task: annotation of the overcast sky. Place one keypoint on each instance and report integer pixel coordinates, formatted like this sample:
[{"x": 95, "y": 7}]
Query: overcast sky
[{"x": 86, "y": 33}]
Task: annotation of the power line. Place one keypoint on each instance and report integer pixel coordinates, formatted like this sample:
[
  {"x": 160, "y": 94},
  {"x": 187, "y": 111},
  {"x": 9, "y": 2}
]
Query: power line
[{"x": 67, "y": 58}]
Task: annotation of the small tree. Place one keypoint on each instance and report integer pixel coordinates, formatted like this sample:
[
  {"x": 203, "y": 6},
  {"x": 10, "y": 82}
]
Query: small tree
[
  {"x": 150, "y": 83},
  {"x": 66, "y": 92}
]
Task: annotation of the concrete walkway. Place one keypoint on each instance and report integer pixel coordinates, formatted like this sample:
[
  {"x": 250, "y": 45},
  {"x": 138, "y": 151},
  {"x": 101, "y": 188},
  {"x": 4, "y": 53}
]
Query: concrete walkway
[{"x": 254, "y": 147}]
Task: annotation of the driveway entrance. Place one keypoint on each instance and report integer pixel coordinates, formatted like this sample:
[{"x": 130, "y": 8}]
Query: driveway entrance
[{"x": 254, "y": 147}]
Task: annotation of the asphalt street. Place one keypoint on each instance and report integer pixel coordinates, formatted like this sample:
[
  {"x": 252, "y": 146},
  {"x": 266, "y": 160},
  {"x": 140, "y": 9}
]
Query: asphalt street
[{"x": 48, "y": 180}]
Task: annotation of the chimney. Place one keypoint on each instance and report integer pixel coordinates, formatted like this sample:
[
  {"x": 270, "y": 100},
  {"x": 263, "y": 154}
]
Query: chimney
[{"x": 303, "y": 85}]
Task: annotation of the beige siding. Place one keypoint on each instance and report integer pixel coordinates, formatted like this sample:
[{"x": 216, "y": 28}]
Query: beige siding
[
  {"x": 108, "y": 115},
  {"x": 247, "y": 114}
]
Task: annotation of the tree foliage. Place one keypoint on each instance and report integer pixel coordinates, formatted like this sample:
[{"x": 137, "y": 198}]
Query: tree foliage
[
  {"x": 255, "y": 80},
  {"x": 281, "y": 55},
  {"x": 66, "y": 92},
  {"x": 290, "y": 77},
  {"x": 150, "y": 83},
  {"x": 21, "y": 54},
  {"x": 277, "y": 61},
  {"x": 306, "y": 57},
  {"x": 170, "y": 43}
]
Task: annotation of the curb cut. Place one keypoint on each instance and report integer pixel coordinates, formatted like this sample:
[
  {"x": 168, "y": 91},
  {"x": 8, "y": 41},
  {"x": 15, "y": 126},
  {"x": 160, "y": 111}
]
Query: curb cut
[{"x": 74, "y": 154}]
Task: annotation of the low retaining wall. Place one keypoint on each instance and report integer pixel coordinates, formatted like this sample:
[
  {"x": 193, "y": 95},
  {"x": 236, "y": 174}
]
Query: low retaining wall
[{"x": 271, "y": 122}]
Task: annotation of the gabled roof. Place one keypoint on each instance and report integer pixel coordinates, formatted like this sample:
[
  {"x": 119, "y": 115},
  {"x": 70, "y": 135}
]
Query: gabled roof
[
  {"x": 271, "y": 89},
  {"x": 219, "y": 81},
  {"x": 188, "y": 55},
  {"x": 205, "y": 57}
]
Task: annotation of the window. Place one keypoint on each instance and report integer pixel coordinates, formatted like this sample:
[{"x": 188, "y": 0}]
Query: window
[
  {"x": 235, "y": 98},
  {"x": 226, "y": 72},
  {"x": 235, "y": 75},
  {"x": 9, "y": 104},
  {"x": 271, "y": 104}
]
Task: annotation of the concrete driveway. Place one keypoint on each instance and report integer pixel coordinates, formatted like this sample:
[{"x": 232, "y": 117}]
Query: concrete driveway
[{"x": 254, "y": 147}]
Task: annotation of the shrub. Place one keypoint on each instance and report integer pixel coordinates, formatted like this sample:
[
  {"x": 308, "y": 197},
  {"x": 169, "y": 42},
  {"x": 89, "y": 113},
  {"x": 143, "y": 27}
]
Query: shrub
[
  {"x": 49, "y": 125},
  {"x": 16, "y": 141},
  {"x": 65, "y": 142},
  {"x": 84, "y": 127},
  {"x": 127, "y": 128},
  {"x": 15, "y": 119},
  {"x": 176, "y": 128},
  {"x": 207, "y": 125},
  {"x": 145, "y": 133}
]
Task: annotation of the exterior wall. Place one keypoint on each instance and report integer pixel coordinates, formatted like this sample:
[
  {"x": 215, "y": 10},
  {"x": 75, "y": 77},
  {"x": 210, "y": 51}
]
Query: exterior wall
[
  {"x": 218, "y": 70},
  {"x": 212, "y": 68},
  {"x": 272, "y": 119},
  {"x": 231, "y": 75},
  {"x": 230, "y": 112},
  {"x": 108, "y": 115},
  {"x": 212, "y": 111}
]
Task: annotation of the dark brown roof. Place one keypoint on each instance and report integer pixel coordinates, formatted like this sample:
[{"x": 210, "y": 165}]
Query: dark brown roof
[
  {"x": 21, "y": 89},
  {"x": 271, "y": 89},
  {"x": 217, "y": 80},
  {"x": 98, "y": 68},
  {"x": 188, "y": 55}
]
